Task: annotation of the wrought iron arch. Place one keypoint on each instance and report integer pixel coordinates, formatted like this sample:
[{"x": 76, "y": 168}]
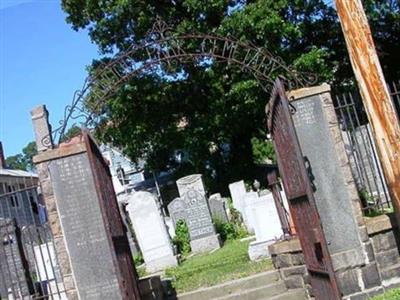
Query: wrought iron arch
[{"x": 164, "y": 46}]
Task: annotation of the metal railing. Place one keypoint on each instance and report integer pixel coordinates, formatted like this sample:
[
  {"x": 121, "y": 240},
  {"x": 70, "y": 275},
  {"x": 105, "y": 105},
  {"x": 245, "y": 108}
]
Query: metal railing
[
  {"x": 361, "y": 151},
  {"x": 394, "y": 89},
  {"x": 29, "y": 266}
]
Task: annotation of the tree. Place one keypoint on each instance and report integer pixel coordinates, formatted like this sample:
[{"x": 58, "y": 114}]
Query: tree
[
  {"x": 16, "y": 162},
  {"x": 222, "y": 108},
  {"x": 71, "y": 132},
  {"x": 24, "y": 160}
]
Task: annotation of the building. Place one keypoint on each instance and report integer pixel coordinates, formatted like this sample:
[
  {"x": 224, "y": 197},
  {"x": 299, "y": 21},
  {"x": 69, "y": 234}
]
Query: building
[{"x": 19, "y": 197}]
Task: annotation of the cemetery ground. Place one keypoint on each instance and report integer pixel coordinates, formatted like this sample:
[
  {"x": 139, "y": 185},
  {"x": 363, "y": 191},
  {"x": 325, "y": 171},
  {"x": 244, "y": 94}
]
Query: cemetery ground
[{"x": 228, "y": 263}]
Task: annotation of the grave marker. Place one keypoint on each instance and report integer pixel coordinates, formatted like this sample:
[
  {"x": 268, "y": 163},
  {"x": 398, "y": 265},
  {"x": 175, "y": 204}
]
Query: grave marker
[
  {"x": 238, "y": 190},
  {"x": 218, "y": 208},
  {"x": 151, "y": 232},
  {"x": 177, "y": 210},
  {"x": 198, "y": 218},
  {"x": 191, "y": 182},
  {"x": 267, "y": 226}
]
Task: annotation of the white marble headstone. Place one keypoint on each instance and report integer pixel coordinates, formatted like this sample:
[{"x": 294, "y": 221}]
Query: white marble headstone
[
  {"x": 238, "y": 190},
  {"x": 151, "y": 231},
  {"x": 191, "y": 182},
  {"x": 267, "y": 225},
  {"x": 249, "y": 200}
]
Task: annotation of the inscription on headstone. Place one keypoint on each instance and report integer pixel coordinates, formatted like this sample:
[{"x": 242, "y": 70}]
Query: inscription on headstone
[
  {"x": 198, "y": 215},
  {"x": 331, "y": 194}
]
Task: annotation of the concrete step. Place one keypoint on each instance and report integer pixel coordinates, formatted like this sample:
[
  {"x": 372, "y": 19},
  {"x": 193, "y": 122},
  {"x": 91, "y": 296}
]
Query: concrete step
[
  {"x": 297, "y": 294},
  {"x": 254, "y": 282},
  {"x": 261, "y": 293}
]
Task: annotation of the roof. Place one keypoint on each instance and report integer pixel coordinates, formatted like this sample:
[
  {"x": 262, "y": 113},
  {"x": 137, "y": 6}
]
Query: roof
[{"x": 17, "y": 173}]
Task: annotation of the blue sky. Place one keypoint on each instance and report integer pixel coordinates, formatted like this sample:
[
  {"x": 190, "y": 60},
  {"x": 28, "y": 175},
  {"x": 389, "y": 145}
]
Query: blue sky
[{"x": 42, "y": 61}]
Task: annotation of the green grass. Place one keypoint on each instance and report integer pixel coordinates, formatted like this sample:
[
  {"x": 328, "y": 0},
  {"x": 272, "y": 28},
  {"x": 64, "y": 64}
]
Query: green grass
[
  {"x": 228, "y": 263},
  {"x": 390, "y": 295}
]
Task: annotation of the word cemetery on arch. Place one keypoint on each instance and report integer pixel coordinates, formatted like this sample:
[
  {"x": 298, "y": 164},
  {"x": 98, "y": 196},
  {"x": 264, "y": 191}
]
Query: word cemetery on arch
[{"x": 162, "y": 48}]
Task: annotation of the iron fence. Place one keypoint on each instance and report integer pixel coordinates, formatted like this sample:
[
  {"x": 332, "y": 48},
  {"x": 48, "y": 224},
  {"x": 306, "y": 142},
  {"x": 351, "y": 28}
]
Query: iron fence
[
  {"x": 394, "y": 89},
  {"x": 29, "y": 266},
  {"x": 361, "y": 151}
]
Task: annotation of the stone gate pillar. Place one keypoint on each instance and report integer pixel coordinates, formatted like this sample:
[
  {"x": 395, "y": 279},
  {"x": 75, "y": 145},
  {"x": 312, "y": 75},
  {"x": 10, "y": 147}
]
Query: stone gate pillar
[
  {"x": 334, "y": 188},
  {"x": 89, "y": 236},
  {"x": 44, "y": 143}
]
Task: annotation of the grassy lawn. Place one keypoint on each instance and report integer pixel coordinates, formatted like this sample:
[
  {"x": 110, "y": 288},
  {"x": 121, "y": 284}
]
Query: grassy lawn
[
  {"x": 390, "y": 295},
  {"x": 228, "y": 263}
]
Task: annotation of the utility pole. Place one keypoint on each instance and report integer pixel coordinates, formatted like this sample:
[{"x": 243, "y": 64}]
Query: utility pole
[{"x": 374, "y": 92}]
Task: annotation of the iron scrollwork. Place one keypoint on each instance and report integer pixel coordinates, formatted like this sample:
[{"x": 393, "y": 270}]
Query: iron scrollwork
[{"x": 164, "y": 46}]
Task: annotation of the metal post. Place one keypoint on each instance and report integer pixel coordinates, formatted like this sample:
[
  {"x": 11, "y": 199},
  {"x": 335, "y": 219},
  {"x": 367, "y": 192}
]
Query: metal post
[
  {"x": 273, "y": 184},
  {"x": 375, "y": 94}
]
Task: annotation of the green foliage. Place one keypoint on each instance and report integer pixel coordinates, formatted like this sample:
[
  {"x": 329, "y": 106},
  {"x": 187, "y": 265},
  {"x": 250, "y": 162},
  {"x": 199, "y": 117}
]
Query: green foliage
[
  {"x": 389, "y": 295},
  {"x": 24, "y": 160},
  {"x": 182, "y": 237},
  {"x": 366, "y": 198},
  {"x": 71, "y": 132},
  {"x": 138, "y": 259},
  {"x": 263, "y": 151},
  {"x": 229, "y": 231},
  {"x": 228, "y": 263},
  {"x": 142, "y": 271},
  {"x": 220, "y": 104}
]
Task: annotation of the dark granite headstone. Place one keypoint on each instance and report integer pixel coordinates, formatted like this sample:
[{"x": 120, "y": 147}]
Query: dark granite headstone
[
  {"x": 331, "y": 193},
  {"x": 198, "y": 216}
]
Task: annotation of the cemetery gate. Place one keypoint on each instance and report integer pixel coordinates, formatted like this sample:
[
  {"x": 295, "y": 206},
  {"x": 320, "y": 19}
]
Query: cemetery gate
[
  {"x": 109, "y": 209},
  {"x": 298, "y": 188},
  {"x": 29, "y": 266}
]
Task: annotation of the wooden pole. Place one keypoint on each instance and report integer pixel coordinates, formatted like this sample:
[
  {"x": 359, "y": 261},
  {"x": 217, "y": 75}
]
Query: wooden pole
[{"x": 374, "y": 92}]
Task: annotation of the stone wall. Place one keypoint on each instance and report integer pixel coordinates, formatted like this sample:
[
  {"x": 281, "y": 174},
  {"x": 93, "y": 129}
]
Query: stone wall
[
  {"x": 379, "y": 273},
  {"x": 287, "y": 257},
  {"x": 384, "y": 236}
]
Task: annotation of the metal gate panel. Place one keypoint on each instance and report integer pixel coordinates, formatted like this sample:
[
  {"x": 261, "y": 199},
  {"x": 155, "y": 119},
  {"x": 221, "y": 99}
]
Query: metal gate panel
[{"x": 299, "y": 193}]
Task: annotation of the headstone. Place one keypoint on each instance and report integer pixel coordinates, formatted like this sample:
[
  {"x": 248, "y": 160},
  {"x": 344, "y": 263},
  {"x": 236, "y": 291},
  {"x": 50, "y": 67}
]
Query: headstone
[
  {"x": 151, "y": 232},
  {"x": 248, "y": 200},
  {"x": 88, "y": 220},
  {"x": 177, "y": 211},
  {"x": 218, "y": 208},
  {"x": 321, "y": 144},
  {"x": 191, "y": 182},
  {"x": 267, "y": 226},
  {"x": 238, "y": 190},
  {"x": 203, "y": 237}
]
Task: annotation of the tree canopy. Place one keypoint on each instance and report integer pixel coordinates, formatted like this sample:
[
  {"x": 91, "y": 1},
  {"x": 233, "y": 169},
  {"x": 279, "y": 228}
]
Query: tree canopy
[
  {"x": 24, "y": 160},
  {"x": 221, "y": 109}
]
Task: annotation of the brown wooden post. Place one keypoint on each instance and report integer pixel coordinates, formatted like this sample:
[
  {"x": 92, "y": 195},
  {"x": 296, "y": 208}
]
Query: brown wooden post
[{"x": 374, "y": 92}]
